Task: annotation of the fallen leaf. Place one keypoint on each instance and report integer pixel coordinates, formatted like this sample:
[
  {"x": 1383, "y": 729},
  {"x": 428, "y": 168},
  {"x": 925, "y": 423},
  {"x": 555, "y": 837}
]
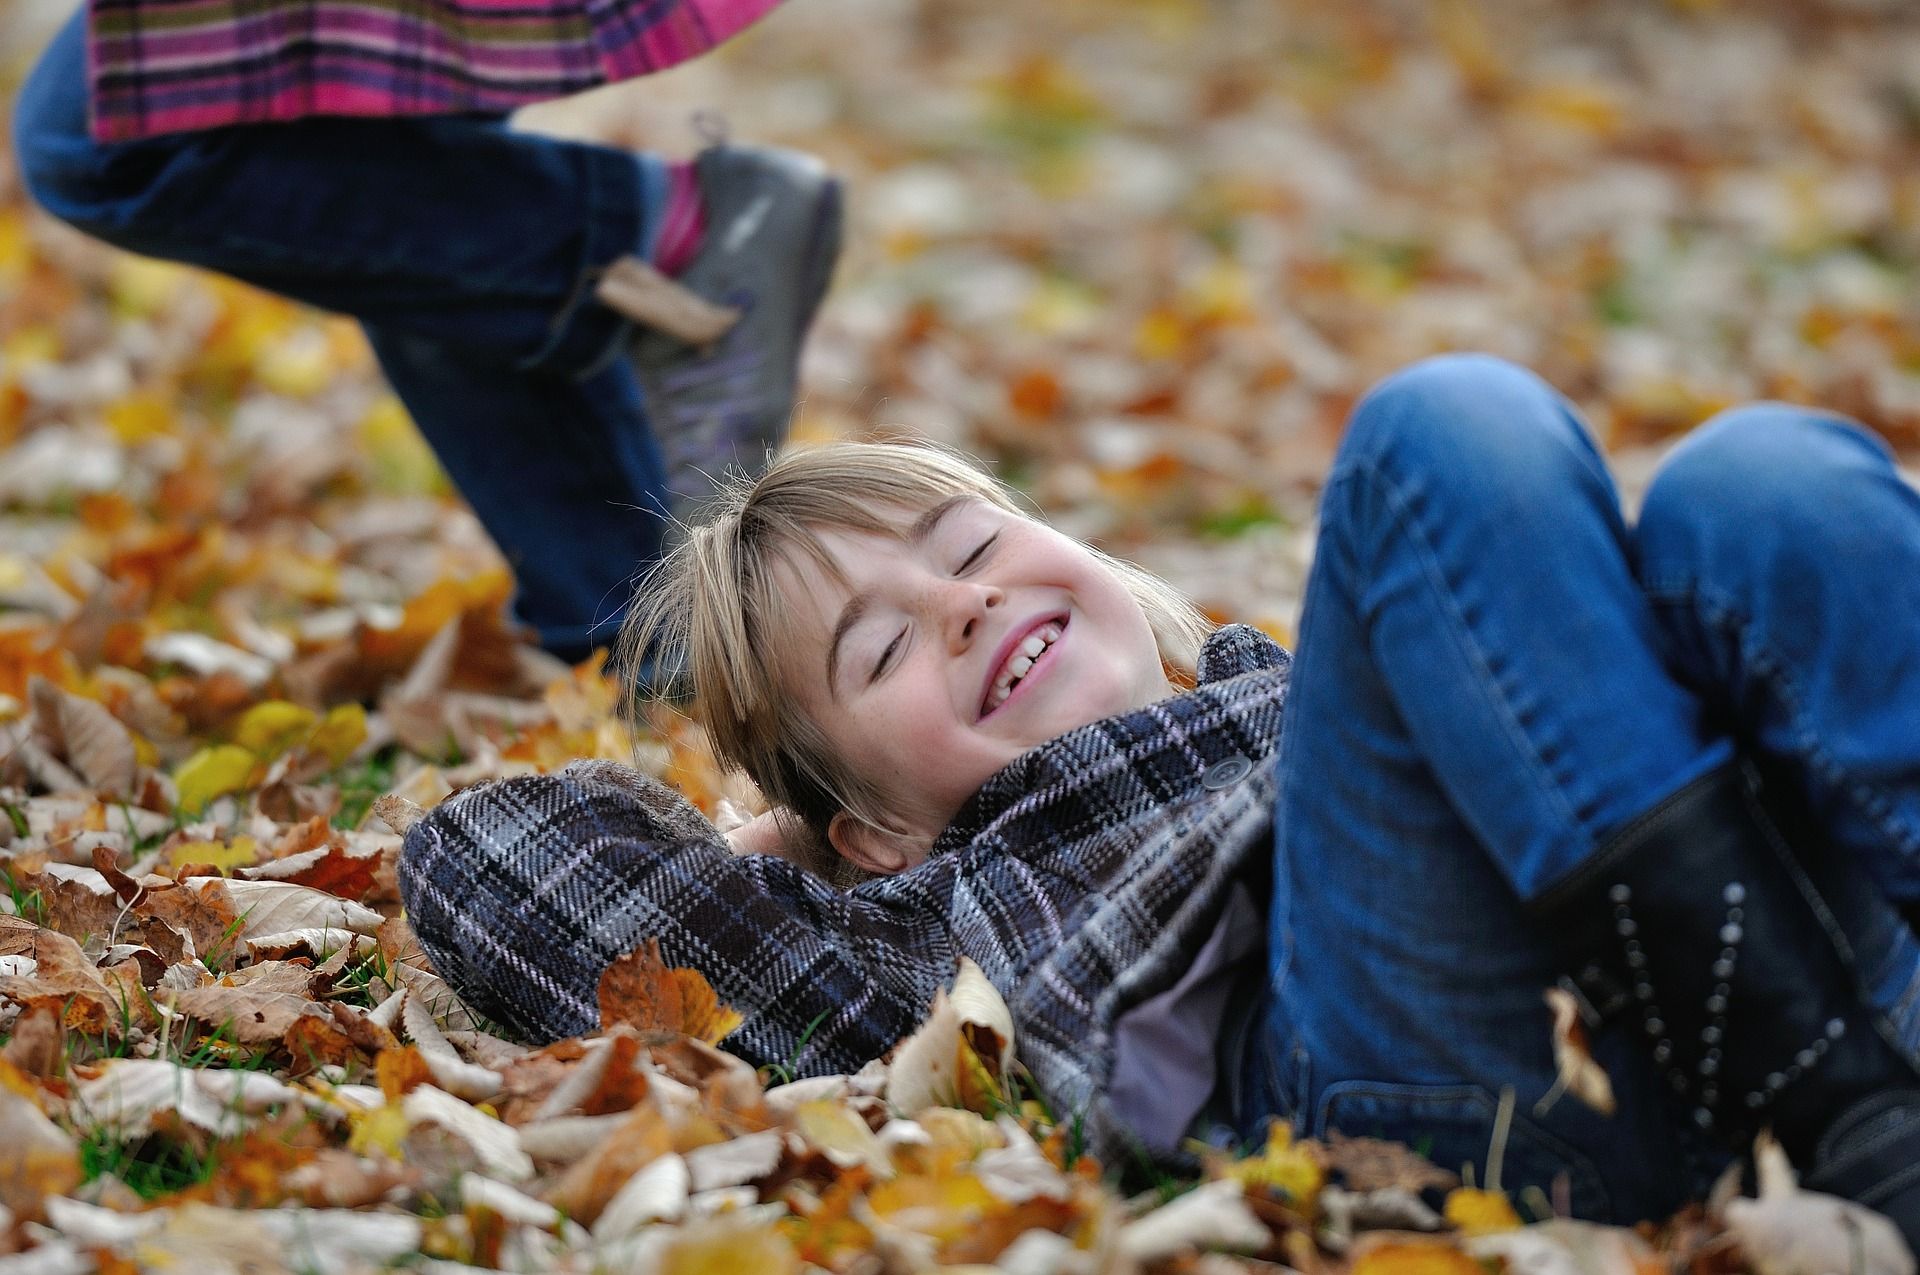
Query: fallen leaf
[
  {"x": 37, "y": 1046},
  {"x": 1791, "y": 1231},
  {"x": 128, "y": 1093},
  {"x": 41, "y": 1159},
  {"x": 215, "y": 772},
  {"x": 273, "y": 907},
  {"x": 87, "y": 999},
  {"x": 92, "y": 739},
  {"x": 450, "y": 1071},
  {"x": 1579, "y": 1074},
  {"x": 1478, "y": 1212},
  {"x": 1369, "y": 1164},
  {"x": 641, "y": 991},
  {"x": 271, "y": 727},
  {"x": 938, "y": 1064}
]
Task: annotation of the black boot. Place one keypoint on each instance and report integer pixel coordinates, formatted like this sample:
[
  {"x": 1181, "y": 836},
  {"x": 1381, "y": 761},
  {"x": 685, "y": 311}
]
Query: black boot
[{"x": 1697, "y": 928}]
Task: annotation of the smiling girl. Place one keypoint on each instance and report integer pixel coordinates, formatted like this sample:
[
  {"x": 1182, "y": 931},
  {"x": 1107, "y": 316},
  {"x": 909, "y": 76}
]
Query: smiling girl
[{"x": 1671, "y": 766}]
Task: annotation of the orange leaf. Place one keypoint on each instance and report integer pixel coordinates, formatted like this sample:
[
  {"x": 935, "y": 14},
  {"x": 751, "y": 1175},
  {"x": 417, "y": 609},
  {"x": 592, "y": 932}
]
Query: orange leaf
[
  {"x": 399, "y": 1070},
  {"x": 642, "y": 991}
]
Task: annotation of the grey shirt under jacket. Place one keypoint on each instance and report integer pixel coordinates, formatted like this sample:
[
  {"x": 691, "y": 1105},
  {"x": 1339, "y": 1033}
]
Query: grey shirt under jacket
[{"x": 1091, "y": 879}]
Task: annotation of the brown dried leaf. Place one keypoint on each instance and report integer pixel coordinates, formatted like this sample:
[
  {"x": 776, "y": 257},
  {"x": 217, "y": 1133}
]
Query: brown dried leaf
[
  {"x": 124, "y": 887},
  {"x": 41, "y": 1160},
  {"x": 65, "y": 981},
  {"x": 336, "y": 1179},
  {"x": 260, "y": 1004},
  {"x": 400, "y": 1070},
  {"x": 200, "y": 908},
  {"x": 528, "y": 1081},
  {"x": 331, "y": 867},
  {"x": 92, "y": 739},
  {"x": 642, "y": 991},
  {"x": 319, "y": 1036},
  {"x": 38, "y": 1045},
  {"x": 397, "y": 812},
  {"x": 583, "y": 1191},
  {"x": 1368, "y": 1164},
  {"x": 1579, "y": 1074}
]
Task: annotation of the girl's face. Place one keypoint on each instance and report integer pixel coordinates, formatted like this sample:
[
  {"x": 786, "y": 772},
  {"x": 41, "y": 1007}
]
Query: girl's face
[{"x": 950, "y": 652}]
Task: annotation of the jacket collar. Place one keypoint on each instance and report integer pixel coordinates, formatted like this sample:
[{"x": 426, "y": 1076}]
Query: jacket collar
[{"x": 1071, "y": 786}]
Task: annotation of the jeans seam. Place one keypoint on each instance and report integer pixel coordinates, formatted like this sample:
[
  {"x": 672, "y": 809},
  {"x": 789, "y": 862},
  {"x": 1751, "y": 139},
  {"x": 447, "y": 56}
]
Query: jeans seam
[
  {"x": 1774, "y": 672},
  {"x": 1402, "y": 514}
]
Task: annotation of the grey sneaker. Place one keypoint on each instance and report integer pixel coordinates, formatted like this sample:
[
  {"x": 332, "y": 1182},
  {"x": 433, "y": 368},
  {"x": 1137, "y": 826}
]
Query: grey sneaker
[{"x": 772, "y": 237}]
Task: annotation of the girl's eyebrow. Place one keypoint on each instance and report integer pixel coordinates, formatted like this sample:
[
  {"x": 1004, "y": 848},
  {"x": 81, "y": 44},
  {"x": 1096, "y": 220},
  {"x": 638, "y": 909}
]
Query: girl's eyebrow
[{"x": 857, "y": 605}]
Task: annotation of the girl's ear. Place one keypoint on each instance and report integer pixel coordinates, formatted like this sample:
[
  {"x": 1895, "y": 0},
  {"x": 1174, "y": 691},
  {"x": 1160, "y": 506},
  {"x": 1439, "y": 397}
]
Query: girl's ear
[{"x": 874, "y": 849}]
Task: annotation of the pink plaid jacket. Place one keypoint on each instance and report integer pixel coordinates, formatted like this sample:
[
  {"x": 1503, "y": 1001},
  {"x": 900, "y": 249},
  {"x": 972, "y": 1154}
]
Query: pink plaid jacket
[{"x": 168, "y": 66}]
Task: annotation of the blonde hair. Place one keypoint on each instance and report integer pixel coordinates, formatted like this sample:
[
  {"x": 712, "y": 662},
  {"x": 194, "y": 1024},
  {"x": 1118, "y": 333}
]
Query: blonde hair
[{"x": 713, "y": 608}]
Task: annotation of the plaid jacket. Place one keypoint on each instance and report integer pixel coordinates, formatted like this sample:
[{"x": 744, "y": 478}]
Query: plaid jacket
[
  {"x": 1082, "y": 878},
  {"x": 166, "y": 66}
]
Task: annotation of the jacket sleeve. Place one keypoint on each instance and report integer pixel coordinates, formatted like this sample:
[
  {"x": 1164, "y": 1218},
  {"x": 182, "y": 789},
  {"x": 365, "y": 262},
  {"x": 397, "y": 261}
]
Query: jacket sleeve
[{"x": 523, "y": 891}]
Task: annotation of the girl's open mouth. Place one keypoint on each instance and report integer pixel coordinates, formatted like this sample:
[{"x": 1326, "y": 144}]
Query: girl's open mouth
[{"x": 1031, "y": 654}]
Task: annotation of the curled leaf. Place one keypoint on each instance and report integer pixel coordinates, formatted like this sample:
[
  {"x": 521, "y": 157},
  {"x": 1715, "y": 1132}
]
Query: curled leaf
[{"x": 958, "y": 1055}]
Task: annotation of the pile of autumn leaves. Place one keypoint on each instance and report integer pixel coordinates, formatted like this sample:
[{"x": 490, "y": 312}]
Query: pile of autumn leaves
[{"x": 222, "y": 1043}]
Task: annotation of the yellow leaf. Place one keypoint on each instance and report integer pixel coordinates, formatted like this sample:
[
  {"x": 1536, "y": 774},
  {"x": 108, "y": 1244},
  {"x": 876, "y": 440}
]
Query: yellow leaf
[
  {"x": 1160, "y": 335},
  {"x": 298, "y": 365},
  {"x": 342, "y": 730},
  {"x": 271, "y": 728},
  {"x": 402, "y": 462},
  {"x": 142, "y": 286},
  {"x": 138, "y": 417},
  {"x": 16, "y": 251},
  {"x": 224, "y": 855},
  {"x": 726, "y": 1245},
  {"x": 379, "y": 1130},
  {"x": 1299, "y": 1169},
  {"x": 1415, "y": 1258},
  {"x": 1477, "y": 1212},
  {"x": 30, "y": 346},
  {"x": 844, "y": 1136},
  {"x": 978, "y": 1089},
  {"x": 213, "y": 772}
]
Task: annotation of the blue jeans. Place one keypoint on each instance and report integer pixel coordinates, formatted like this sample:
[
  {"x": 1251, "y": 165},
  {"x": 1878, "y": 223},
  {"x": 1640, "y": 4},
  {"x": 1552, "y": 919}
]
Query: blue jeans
[
  {"x": 467, "y": 252},
  {"x": 1495, "y": 672}
]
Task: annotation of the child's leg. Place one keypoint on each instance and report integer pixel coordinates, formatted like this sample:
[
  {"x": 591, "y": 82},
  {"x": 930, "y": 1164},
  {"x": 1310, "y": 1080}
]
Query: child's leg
[
  {"x": 451, "y": 228},
  {"x": 466, "y": 251},
  {"x": 1480, "y": 709},
  {"x": 470, "y": 253},
  {"x": 1781, "y": 552},
  {"x": 1471, "y": 630},
  {"x": 562, "y": 471}
]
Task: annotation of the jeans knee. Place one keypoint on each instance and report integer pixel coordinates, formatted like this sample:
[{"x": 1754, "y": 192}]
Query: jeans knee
[
  {"x": 1473, "y": 427},
  {"x": 1764, "y": 472},
  {"x": 79, "y": 180},
  {"x": 51, "y": 142}
]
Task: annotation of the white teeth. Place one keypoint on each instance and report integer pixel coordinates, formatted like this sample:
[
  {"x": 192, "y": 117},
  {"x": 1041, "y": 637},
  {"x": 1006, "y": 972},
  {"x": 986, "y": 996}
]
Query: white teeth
[{"x": 1021, "y": 664}]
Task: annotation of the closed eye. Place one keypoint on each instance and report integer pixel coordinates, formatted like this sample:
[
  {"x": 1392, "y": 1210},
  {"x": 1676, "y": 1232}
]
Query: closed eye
[
  {"x": 978, "y": 553},
  {"x": 886, "y": 656}
]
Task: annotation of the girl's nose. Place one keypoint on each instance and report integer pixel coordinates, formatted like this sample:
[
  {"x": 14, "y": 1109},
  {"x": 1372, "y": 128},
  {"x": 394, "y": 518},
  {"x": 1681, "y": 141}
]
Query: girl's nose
[{"x": 969, "y": 602}]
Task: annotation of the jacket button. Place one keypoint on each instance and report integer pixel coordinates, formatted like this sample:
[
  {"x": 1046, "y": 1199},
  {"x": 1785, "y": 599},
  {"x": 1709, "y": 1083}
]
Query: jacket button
[{"x": 1226, "y": 772}]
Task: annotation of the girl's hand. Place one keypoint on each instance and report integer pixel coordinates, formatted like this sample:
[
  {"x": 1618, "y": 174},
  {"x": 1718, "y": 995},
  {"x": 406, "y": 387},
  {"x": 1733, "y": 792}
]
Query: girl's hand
[{"x": 759, "y": 835}]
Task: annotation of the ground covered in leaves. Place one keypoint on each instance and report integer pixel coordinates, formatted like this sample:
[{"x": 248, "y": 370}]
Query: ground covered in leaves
[{"x": 1143, "y": 256}]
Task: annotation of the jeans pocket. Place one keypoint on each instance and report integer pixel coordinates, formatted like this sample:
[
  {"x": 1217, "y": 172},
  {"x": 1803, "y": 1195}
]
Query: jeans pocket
[{"x": 1453, "y": 1126}]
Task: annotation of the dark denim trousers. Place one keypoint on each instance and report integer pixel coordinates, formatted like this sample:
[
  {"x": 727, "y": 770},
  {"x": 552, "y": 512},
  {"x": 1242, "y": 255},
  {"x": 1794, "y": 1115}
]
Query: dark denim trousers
[
  {"x": 467, "y": 252},
  {"x": 1495, "y": 671}
]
